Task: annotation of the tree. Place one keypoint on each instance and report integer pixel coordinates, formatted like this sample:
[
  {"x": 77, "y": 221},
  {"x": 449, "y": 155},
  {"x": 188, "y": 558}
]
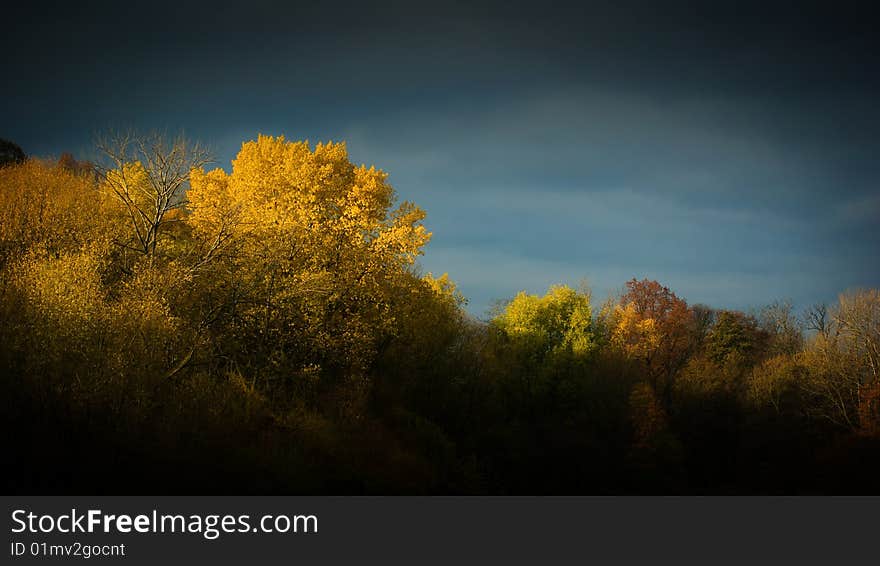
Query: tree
[
  {"x": 10, "y": 153},
  {"x": 542, "y": 343},
  {"x": 735, "y": 338},
  {"x": 314, "y": 249},
  {"x": 778, "y": 321},
  {"x": 775, "y": 383},
  {"x": 560, "y": 321},
  {"x": 48, "y": 208},
  {"x": 843, "y": 359},
  {"x": 816, "y": 318},
  {"x": 656, "y": 327},
  {"x": 638, "y": 336},
  {"x": 148, "y": 174},
  {"x": 704, "y": 318},
  {"x": 858, "y": 320}
]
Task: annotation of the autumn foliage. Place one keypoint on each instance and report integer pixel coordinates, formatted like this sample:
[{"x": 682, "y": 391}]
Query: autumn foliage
[{"x": 266, "y": 328}]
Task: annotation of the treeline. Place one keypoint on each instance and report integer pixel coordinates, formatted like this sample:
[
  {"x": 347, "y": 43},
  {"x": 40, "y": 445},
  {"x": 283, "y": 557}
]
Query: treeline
[{"x": 171, "y": 329}]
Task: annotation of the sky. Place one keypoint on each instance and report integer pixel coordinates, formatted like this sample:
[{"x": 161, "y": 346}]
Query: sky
[{"x": 728, "y": 150}]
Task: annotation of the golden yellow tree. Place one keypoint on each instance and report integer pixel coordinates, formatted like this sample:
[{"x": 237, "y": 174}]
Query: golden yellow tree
[
  {"x": 316, "y": 244},
  {"x": 48, "y": 208},
  {"x": 638, "y": 337}
]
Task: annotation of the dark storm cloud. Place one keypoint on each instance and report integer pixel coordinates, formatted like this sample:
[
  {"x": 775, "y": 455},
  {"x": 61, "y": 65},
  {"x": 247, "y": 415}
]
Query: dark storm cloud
[{"x": 728, "y": 150}]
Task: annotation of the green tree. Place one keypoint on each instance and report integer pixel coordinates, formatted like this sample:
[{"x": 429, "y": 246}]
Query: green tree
[{"x": 735, "y": 338}]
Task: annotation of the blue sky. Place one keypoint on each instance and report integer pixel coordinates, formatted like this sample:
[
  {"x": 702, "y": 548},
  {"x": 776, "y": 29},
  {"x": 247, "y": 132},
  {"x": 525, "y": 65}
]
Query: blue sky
[{"x": 729, "y": 152}]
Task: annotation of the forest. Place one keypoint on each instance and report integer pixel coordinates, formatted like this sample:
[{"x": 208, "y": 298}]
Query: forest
[{"x": 172, "y": 328}]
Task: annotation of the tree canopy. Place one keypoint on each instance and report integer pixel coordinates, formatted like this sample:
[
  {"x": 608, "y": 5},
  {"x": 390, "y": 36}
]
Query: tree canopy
[{"x": 268, "y": 328}]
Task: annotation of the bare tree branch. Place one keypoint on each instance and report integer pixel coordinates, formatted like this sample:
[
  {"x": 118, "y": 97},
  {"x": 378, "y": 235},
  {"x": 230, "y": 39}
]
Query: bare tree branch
[{"x": 165, "y": 164}]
